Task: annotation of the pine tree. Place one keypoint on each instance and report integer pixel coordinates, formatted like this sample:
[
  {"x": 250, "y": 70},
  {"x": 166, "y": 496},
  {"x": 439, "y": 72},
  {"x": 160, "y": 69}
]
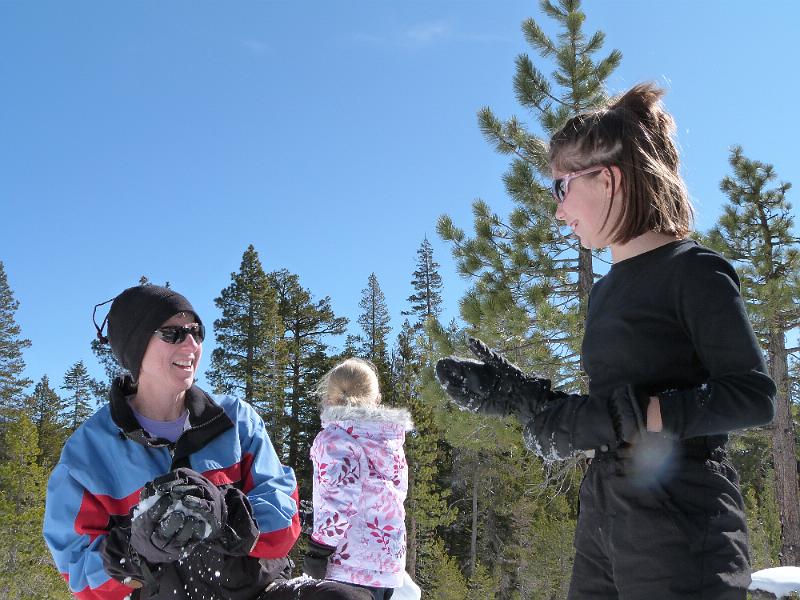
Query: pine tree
[
  {"x": 107, "y": 360},
  {"x": 81, "y": 388},
  {"x": 250, "y": 355},
  {"x": 306, "y": 326},
  {"x": 426, "y": 301},
  {"x": 442, "y": 577},
  {"x": 530, "y": 287},
  {"x": 47, "y": 410},
  {"x": 426, "y": 504},
  {"x": 531, "y": 282},
  {"x": 27, "y": 568},
  {"x": 755, "y": 232},
  {"x": 12, "y": 364},
  {"x": 374, "y": 321}
]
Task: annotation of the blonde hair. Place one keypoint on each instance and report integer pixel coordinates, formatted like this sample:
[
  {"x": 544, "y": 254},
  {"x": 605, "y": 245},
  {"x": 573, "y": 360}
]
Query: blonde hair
[
  {"x": 353, "y": 382},
  {"x": 635, "y": 134}
]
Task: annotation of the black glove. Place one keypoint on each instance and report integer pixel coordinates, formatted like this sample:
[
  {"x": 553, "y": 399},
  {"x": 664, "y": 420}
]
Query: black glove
[
  {"x": 315, "y": 561},
  {"x": 491, "y": 385},
  {"x": 176, "y": 512}
]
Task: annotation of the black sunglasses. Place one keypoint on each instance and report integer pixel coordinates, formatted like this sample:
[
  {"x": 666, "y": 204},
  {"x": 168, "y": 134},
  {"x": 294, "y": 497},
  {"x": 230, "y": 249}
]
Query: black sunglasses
[{"x": 175, "y": 334}]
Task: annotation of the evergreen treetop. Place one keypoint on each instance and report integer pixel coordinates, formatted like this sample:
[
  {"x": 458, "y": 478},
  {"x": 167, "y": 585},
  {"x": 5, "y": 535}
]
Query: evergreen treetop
[
  {"x": 250, "y": 352},
  {"x": 12, "y": 363},
  {"x": 426, "y": 301},
  {"x": 531, "y": 282}
]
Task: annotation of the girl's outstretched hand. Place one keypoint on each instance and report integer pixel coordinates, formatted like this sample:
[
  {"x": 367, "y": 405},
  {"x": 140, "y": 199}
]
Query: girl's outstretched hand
[{"x": 491, "y": 385}]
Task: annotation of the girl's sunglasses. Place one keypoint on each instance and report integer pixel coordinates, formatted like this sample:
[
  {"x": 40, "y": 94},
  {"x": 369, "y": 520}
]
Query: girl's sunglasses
[
  {"x": 560, "y": 186},
  {"x": 175, "y": 334}
]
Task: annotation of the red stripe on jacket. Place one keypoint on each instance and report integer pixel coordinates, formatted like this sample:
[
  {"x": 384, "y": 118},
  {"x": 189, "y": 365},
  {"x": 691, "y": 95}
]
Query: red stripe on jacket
[
  {"x": 92, "y": 519},
  {"x": 274, "y": 544},
  {"x": 110, "y": 590}
]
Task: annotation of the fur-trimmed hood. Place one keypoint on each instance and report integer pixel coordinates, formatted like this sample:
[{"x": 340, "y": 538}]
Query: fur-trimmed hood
[{"x": 376, "y": 414}]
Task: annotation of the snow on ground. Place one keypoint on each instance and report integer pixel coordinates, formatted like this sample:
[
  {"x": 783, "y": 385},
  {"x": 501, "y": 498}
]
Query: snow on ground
[{"x": 780, "y": 581}]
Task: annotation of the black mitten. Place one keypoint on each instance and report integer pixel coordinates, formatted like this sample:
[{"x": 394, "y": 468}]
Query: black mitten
[
  {"x": 628, "y": 410},
  {"x": 315, "y": 561},
  {"x": 240, "y": 532},
  {"x": 176, "y": 512},
  {"x": 491, "y": 385},
  {"x": 571, "y": 423},
  {"x": 119, "y": 559}
]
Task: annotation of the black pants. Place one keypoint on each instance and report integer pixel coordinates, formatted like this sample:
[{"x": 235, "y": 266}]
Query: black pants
[
  {"x": 313, "y": 589},
  {"x": 675, "y": 530},
  {"x": 377, "y": 593}
]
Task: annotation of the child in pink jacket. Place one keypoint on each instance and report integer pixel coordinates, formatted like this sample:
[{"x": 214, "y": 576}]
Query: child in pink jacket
[{"x": 360, "y": 483}]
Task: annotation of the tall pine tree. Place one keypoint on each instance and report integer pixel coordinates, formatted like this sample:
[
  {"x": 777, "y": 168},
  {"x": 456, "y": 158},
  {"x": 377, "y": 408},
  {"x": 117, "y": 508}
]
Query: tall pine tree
[
  {"x": 250, "y": 355},
  {"x": 531, "y": 282},
  {"x": 530, "y": 285},
  {"x": 27, "y": 570},
  {"x": 47, "y": 411},
  {"x": 755, "y": 232},
  {"x": 307, "y": 325},
  {"x": 12, "y": 364},
  {"x": 427, "y": 508},
  {"x": 426, "y": 301},
  {"x": 81, "y": 389},
  {"x": 374, "y": 320}
]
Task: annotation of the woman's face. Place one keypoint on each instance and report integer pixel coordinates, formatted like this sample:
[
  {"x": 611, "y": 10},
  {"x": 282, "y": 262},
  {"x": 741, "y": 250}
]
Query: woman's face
[
  {"x": 171, "y": 367},
  {"x": 585, "y": 207}
]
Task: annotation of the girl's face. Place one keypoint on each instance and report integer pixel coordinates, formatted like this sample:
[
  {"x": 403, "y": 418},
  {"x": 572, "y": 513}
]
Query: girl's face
[{"x": 585, "y": 206}]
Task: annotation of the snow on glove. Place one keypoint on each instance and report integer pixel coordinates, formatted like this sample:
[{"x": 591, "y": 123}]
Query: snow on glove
[
  {"x": 491, "y": 385},
  {"x": 175, "y": 513},
  {"x": 315, "y": 561}
]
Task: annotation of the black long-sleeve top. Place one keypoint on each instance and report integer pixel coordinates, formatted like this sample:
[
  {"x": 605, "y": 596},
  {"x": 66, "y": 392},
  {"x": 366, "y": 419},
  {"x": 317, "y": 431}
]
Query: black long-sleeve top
[{"x": 672, "y": 323}]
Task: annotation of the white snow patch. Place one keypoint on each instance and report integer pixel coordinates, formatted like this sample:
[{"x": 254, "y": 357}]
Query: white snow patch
[
  {"x": 408, "y": 591},
  {"x": 780, "y": 581},
  {"x": 145, "y": 505}
]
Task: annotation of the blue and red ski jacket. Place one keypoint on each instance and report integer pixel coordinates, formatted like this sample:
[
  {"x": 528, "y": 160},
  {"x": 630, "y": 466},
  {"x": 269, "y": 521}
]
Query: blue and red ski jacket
[{"x": 108, "y": 460}]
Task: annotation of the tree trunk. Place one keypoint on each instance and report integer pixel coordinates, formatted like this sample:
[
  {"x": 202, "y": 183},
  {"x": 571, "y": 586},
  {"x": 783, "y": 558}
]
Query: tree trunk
[
  {"x": 783, "y": 452},
  {"x": 473, "y": 544},
  {"x": 585, "y": 282},
  {"x": 411, "y": 553}
]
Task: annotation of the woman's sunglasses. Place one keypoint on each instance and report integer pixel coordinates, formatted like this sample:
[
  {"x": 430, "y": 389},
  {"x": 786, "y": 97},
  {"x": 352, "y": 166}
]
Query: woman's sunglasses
[
  {"x": 560, "y": 186},
  {"x": 175, "y": 334}
]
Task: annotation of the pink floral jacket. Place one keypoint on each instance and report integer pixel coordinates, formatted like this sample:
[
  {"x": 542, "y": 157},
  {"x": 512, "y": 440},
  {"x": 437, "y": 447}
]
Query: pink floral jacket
[{"x": 360, "y": 484}]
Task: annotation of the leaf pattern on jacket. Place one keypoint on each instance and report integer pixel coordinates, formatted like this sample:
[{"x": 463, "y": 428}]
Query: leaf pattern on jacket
[{"x": 360, "y": 484}]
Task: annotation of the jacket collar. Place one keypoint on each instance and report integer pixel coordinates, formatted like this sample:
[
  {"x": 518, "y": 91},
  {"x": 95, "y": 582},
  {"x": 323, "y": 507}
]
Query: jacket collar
[
  {"x": 207, "y": 419},
  {"x": 378, "y": 414}
]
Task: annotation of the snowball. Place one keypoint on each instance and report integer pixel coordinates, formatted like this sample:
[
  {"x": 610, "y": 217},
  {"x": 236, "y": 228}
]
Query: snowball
[{"x": 780, "y": 581}]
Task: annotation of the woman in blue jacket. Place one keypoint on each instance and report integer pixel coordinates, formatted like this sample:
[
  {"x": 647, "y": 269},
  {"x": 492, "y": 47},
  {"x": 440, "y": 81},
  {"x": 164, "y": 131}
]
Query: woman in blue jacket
[{"x": 166, "y": 492}]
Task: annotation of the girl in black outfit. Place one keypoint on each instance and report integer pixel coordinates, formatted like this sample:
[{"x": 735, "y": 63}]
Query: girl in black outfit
[{"x": 673, "y": 367}]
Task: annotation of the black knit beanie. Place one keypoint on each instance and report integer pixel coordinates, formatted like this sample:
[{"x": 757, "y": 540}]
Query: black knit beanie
[{"x": 135, "y": 315}]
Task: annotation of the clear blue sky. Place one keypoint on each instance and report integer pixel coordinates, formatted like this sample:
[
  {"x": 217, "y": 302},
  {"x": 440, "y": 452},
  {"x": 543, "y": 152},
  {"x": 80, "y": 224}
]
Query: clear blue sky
[{"x": 161, "y": 138}]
